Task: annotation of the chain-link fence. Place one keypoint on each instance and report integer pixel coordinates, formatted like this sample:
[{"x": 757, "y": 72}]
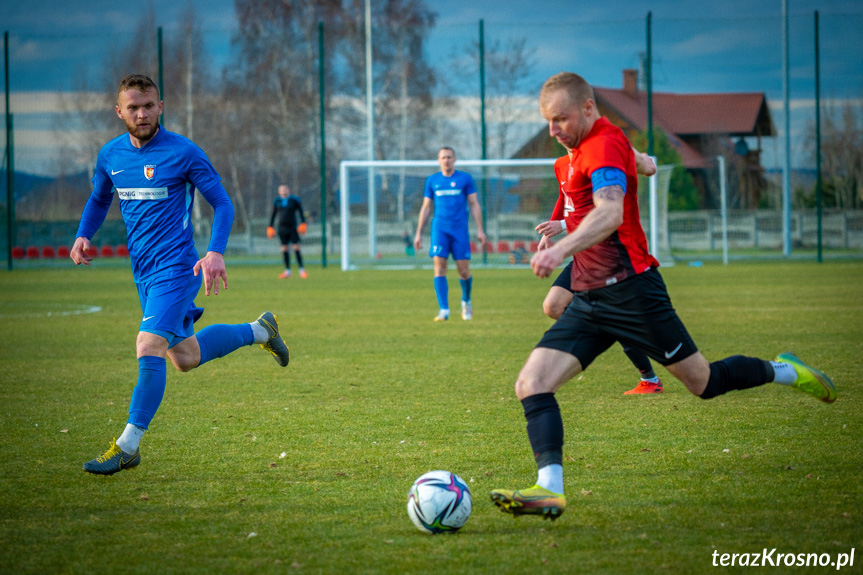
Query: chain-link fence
[{"x": 251, "y": 96}]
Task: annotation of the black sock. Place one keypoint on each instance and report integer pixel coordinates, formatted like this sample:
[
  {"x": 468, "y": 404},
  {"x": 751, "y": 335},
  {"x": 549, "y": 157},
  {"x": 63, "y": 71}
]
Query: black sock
[
  {"x": 737, "y": 372},
  {"x": 544, "y": 428},
  {"x": 641, "y": 362},
  {"x": 287, "y": 256},
  {"x": 299, "y": 258}
]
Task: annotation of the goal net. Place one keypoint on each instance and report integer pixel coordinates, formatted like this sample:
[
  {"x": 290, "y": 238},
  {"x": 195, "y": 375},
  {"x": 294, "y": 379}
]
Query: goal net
[
  {"x": 653, "y": 207},
  {"x": 378, "y": 221}
]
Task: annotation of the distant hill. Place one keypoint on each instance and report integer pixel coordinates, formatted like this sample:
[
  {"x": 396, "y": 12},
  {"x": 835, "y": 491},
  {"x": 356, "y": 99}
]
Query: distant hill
[
  {"x": 24, "y": 183},
  {"x": 41, "y": 198}
]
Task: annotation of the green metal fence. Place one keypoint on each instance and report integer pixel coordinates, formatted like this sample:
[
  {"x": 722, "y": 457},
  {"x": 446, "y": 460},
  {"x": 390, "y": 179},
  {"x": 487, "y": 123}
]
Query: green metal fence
[{"x": 267, "y": 108}]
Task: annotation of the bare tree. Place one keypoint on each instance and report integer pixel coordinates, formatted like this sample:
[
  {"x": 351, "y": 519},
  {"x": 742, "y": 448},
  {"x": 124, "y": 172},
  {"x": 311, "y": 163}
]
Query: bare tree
[
  {"x": 841, "y": 156},
  {"x": 90, "y": 108},
  {"x": 274, "y": 77},
  {"x": 137, "y": 52},
  {"x": 403, "y": 99},
  {"x": 277, "y": 68},
  {"x": 507, "y": 69},
  {"x": 186, "y": 73},
  {"x": 186, "y": 76},
  {"x": 93, "y": 111}
]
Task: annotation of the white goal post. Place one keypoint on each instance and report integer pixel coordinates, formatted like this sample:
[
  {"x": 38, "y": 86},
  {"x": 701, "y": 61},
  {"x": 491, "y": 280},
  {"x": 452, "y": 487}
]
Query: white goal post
[
  {"x": 659, "y": 241},
  {"x": 378, "y": 222}
]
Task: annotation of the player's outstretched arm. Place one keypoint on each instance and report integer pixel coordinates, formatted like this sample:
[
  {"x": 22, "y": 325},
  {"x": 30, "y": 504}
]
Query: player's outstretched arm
[
  {"x": 644, "y": 164},
  {"x": 599, "y": 223},
  {"x": 556, "y": 224},
  {"x": 550, "y": 228},
  {"x": 80, "y": 252},
  {"x": 213, "y": 267}
]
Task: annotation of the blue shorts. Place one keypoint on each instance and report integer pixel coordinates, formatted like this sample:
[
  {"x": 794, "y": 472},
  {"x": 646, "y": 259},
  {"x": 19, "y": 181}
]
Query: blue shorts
[
  {"x": 168, "y": 305},
  {"x": 446, "y": 242}
]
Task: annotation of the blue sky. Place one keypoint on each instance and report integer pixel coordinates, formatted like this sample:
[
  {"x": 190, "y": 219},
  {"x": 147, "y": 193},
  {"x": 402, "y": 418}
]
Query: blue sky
[
  {"x": 50, "y": 16},
  {"x": 698, "y": 46}
]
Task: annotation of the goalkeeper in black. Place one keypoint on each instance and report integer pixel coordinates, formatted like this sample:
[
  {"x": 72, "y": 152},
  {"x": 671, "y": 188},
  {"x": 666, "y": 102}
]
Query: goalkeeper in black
[{"x": 287, "y": 207}]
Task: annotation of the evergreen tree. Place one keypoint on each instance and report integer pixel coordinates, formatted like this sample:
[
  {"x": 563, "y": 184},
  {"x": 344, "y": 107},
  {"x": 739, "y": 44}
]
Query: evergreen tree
[{"x": 682, "y": 193}]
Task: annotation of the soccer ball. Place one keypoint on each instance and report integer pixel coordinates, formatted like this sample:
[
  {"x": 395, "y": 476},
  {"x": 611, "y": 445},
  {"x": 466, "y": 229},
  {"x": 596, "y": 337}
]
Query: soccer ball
[{"x": 439, "y": 502}]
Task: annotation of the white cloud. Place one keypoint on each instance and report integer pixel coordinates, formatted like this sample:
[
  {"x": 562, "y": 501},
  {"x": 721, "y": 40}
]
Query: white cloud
[
  {"x": 730, "y": 40},
  {"x": 52, "y": 102},
  {"x": 778, "y": 106}
]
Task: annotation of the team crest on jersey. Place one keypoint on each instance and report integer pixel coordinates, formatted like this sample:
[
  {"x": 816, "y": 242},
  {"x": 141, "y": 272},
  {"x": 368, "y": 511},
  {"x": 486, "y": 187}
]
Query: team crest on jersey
[
  {"x": 452, "y": 184},
  {"x": 150, "y": 171}
]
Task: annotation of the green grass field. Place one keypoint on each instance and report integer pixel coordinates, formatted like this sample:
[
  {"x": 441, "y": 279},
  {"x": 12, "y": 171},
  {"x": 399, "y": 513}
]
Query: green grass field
[{"x": 377, "y": 394}]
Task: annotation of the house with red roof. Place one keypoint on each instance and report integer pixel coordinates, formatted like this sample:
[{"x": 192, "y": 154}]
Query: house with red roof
[{"x": 699, "y": 126}]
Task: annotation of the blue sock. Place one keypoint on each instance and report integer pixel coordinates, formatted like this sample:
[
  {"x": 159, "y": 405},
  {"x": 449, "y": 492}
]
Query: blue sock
[
  {"x": 221, "y": 339},
  {"x": 441, "y": 289},
  {"x": 149, "y": 391},
  {"x": 465, "y": 288}
]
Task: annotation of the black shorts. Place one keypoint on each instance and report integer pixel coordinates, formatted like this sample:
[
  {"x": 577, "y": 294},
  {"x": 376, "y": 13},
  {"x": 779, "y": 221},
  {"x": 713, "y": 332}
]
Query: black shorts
[
  {"x": 564, "y": 280},
  {"x": 637, "y": 312},
  {"x": 289, "y": 235}
]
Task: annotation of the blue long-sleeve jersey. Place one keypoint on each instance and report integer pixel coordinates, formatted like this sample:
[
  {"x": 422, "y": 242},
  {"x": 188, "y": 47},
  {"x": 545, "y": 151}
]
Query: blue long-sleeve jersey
[{"x": 156, "y": 186}]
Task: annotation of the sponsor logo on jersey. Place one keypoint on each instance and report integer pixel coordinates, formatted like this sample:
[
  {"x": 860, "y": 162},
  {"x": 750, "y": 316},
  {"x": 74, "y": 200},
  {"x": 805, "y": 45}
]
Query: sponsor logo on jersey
[
  {"x": 150, "y": 171},
  {"x": 142, "y": 193},
  {"x": 447, "y": 192}
]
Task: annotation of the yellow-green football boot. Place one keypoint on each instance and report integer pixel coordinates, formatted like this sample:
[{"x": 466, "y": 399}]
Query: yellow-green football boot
[
  {"x": 810, "y": 380},
  {"x": 534, "y": 500}
]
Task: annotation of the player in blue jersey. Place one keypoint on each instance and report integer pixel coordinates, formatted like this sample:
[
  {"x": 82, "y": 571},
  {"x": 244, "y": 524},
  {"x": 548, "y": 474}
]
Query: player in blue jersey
[
  {"x": 155, "y": 174},
  {"x": 451, "y": 192},
  {"x": 287, "y": 207}
]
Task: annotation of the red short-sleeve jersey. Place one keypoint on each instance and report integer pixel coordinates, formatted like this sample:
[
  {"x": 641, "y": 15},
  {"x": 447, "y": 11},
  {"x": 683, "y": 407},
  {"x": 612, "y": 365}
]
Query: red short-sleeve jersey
[
  {"x": 624, "y": 253},
  {"x": 563, "y": 207}
]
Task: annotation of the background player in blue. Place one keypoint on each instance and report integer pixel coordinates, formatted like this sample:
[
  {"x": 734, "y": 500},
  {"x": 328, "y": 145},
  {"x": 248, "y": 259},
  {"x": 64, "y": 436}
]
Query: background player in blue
[
  {"x": 155, "y": 173},
  {"x": 451, "y": 192},
  {"x": 287, "y": 207}
]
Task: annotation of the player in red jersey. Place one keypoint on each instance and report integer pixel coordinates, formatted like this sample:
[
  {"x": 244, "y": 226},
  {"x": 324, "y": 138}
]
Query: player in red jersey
[
  {"x": 618, "y": 295},
  {"x": 560, "y": 294}
]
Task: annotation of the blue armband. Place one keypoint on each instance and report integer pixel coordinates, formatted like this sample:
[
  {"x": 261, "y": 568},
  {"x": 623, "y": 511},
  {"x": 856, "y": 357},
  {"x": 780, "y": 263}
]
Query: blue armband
[{"x": 604, "y": 177}]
